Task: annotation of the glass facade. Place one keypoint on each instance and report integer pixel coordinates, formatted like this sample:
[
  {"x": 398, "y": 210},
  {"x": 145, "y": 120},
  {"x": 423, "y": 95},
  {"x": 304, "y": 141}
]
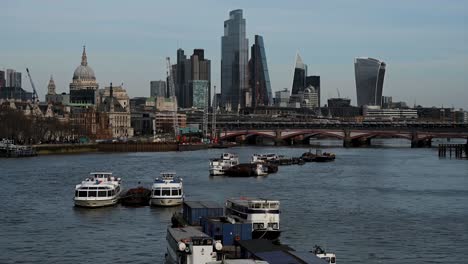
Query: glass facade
[
  {"x": 300, "y": 73},
  {"x": 200, "y": 93},
  {"x": 234, "y": 59},
  {"x": 259, "y": 77},
  {"x": 158, "y": 88},
  {"x": 369, "y": 74}
]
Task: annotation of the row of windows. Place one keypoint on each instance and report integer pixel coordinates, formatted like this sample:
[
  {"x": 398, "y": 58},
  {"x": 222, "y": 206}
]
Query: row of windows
[
  {"x": 167, "y": 192},
  {"x": 94, "y": 188},
  {"x": 94, "y": 193}
]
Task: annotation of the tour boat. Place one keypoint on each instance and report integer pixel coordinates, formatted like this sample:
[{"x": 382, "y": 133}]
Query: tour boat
[
  {"x": 264, "y": 215},
  {"x": 191, "y": 246},
  {"x": 260, "y": 170},
  {"x": 101, "y": 189},
  {"x": 167, "y": 190},
  {"x": 263, "y": 158},
  {"x": 220, "y": 165}
]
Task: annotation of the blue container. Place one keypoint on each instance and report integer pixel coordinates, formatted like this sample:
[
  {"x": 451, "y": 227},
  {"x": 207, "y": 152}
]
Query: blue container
[
  {"x": 194, "y": 211},
  {"x": 228, "y": 233}
]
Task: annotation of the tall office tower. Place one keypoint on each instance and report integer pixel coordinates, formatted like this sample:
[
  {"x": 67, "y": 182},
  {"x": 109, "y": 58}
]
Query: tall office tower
[
  {"x": 17, "y": 82},
  {"x": 200, "y": 93},
  {"x": 369, "y": 75},
  {"x": 300, "y": 73},
  {"x": 51, "y": 86},
  {"x": 200, "y": 69},
  {"x": 83, "y": 88},
  {"x": 10, "y": 78},
  {"x": 180, "y": 78},
  {"x": 234, "y": 59},
  {"x": 2, "y": 79},
  {"x": 315, "y": 82},
  {"x": 158, "y": 89},
  {"x": 259, "y": 79}
]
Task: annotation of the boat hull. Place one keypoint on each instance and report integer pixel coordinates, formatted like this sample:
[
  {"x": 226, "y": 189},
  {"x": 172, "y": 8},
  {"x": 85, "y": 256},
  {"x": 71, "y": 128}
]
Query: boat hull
[
  {"x": 216, "y": 172},
  {"x": 96, "y": 203},
  {"x": 166, "y": 201},
  {"x": 266, "y": 234}
]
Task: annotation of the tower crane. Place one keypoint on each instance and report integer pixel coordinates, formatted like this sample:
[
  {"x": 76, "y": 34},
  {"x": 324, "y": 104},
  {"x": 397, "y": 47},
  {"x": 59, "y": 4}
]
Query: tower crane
[
  {"x": 35, "y": 97},
  {"x": 173, "y": 96}
]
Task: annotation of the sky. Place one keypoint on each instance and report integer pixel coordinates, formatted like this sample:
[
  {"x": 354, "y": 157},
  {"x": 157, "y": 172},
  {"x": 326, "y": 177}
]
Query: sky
[{"x": 424, "y": 42}]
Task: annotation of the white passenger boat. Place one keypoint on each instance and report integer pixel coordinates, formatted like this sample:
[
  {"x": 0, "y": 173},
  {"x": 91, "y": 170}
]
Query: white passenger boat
[
  {"x": 101, "y": 189},
  {"x": 188, "y": 245},
  {"x": 260, "y": 170},
  {"x": 262, "y": 158},
  {"x": 167, "y": 190},
  {"x": 264, "y": 215},
  {"x": 220, "y": 165}
]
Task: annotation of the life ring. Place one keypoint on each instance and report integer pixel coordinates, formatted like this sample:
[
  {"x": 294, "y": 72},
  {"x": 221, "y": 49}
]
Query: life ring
[{"x": 237, "y": 238}]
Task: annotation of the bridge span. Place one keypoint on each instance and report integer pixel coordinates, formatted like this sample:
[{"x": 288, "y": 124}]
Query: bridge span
[{"x": 350, "y": 137}]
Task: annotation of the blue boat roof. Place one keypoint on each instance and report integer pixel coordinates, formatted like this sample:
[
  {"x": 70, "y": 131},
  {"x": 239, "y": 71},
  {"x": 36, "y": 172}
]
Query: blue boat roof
[{"x": 175, "y": 180}]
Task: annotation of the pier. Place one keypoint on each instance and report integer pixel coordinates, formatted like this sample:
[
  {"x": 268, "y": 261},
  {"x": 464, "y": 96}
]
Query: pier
[{"x": 458, "y": 151}]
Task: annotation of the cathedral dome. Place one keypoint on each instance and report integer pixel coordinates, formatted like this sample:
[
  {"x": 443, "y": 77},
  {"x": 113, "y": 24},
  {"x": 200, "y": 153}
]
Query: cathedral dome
[{"x": 83, "y": 71}]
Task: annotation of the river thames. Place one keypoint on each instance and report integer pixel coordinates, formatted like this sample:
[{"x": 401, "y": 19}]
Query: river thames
[{"x": 371, "y": 205}]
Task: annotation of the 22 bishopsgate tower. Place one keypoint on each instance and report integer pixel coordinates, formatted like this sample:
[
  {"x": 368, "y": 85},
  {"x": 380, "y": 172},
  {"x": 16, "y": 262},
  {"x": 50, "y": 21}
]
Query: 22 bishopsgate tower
[
  {"x": 234, "y": 59},
  {"x": 369, "y": 74}
]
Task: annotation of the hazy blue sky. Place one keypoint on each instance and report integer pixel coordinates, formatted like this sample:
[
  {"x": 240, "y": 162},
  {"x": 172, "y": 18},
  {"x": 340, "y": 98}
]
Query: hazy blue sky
[{"x": 424, "y": 43}]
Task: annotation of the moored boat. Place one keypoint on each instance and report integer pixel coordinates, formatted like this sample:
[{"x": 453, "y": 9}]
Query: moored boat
[
  {"x": 318, "y": 156},
  {"x": 219, "y": 166},
  {"x": 167, "y": 190},
  {"x": 139, "y": 196},
  {"x": 262, "y": 214},
  {"x": 320, "y": 253},
  {"x": 99, "y": 190}
]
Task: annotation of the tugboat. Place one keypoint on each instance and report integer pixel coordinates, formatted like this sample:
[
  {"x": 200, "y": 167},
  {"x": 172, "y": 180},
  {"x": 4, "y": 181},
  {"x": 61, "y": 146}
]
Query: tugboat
[
  {"x": 139, "y": 196},
  {"x": 262, "y": 214},
  {"x": 99, "y": 190},
  {"x": 220, "y": 165},
  {"x": 167, "y": 190}
]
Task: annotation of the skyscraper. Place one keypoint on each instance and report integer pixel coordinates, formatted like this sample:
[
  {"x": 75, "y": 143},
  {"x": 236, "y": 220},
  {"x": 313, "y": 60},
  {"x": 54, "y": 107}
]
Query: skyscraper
[
  {"x": 234, "y": 59},
  {"x": 158, "y": 88},
  {"x": 200, "y": 93},
  {"x": 2, "y": 79},
  {"x": 315, "y": 82},
  {"x": 369, "y": 75},
  {"x": 300, "y": 73},
  {"x": 259, "y": 79},
  {"x": 188, "y": 69}
]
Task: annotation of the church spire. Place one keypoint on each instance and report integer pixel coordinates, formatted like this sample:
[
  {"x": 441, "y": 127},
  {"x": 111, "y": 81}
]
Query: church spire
[{"x": 84, "y": 59}]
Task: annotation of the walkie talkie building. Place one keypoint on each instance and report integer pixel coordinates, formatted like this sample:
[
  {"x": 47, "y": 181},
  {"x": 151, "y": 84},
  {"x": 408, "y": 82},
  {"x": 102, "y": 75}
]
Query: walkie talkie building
[{"x": 369, "y": 75}]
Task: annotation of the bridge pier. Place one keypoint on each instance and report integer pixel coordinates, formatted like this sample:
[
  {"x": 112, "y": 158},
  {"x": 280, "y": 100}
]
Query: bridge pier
[{"x": 420, "y": 143}]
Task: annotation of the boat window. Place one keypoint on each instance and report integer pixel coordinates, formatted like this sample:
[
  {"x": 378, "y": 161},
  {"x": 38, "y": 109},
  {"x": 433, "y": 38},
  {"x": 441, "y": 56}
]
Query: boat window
[
  {"x": 82, "y": 194},
  {"x": 157, "y": 192},
  {"x": 166, "y": 191},
  {"x": 113, "y": 192},
  {"x": 92, "y": 194},
  {"x": 333, "y": 260},
  {"x": 180, "y": 191},
  {"x": 76, "y": 193},
  {"x": 175, "y": 192},
  {"x": 109, "y": 193},
  {"x": 92, "y": 188},
  {"x": 102, "y": 193}
]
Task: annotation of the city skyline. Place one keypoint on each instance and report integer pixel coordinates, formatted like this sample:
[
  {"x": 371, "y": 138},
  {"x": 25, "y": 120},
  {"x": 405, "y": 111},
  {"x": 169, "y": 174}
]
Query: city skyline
[{"x": 417, "y": 42}]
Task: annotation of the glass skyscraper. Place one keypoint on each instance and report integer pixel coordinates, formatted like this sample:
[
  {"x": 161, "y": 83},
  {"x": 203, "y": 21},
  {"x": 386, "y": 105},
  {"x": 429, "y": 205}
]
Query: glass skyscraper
[
  {"x": 234, "y": 59},
  {"x": 369, "y": 75},
  {"x": 200, "y": 93},
  {"x": 259, "y": 78},
  {"x": 300, "y": 73}
]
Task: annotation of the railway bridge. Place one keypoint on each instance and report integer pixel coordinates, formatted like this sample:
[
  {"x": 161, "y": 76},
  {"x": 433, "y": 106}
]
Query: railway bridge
[{"x": 351, "y": 137}]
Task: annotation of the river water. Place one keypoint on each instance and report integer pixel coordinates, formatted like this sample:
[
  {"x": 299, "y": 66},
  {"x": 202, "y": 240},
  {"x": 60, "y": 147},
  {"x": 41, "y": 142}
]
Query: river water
[{"x": 372, "y": 205}]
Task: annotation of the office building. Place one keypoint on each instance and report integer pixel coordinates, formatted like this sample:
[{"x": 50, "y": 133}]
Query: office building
[
  {"x": 259, "y": 78},
  {"x": 314, "y": 81},
  {"x": 158, "y": 88},
  {"x": 300, "y": 73},
  {"x": 200, "y": 93},
  {"x": 282, "y": 98},
  {"x": 2, "y": 79},
  {"x": 309, "y": 98},
  {"x": 372, "y": 112},
  {"x": 339, "y": 102},
  {"x": 369, "y": 74},
  {"x": 234, "y": 60},
  {"x": 83, "y": 88}
]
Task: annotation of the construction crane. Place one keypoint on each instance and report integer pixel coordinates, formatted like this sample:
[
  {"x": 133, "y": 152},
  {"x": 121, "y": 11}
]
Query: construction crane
[
  {"x": 173, "y": 96},
  {"x": 35, "y": 97},
  {"x": 213, "y": 121}
]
